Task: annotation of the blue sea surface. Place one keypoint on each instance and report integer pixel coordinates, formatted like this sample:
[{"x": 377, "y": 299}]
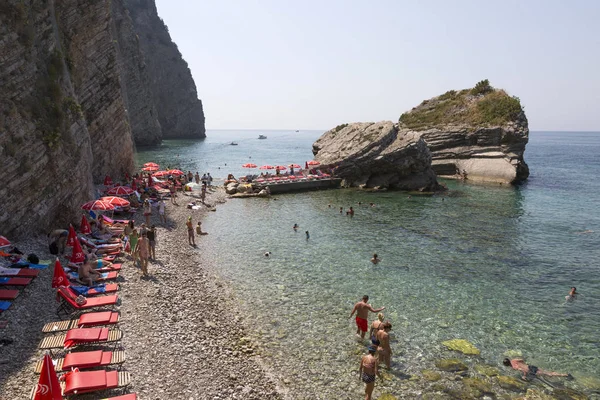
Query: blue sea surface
[{"x": 487, "y": 263}]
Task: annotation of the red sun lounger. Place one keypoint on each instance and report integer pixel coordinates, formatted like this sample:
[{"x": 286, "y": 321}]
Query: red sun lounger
[
  {"x": 15, "y": 281},
  {"x": 131, "y": 396},
  {"x": 86, "y": 320},
  {"x": 79, "y": 382},
  {"x": 6, "y": 294},
  {"x": 95, "y": 290},
  {"x": 104, "y": 276},
  {"x": 80, "y": 337},
  {"x": 68, "y": 303},
  {"x": 19, "y": 272},
  {"x": 85, "y": 360}
]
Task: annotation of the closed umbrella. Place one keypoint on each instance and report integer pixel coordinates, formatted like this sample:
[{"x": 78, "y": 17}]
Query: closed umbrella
[
  {"x": 4, "y": 242},
  {"x": 59, "y": 278},
  {"x": 72, "y": 238},
  {"x": 48, "y": 387},
  {"x": 85, "y": 227},
  {"x": 97, "y": 205}
]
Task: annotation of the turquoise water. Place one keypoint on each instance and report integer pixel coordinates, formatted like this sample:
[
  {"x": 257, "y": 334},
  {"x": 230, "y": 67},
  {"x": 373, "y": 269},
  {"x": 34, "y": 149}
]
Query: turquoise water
[{"x": 489, "y": 264}]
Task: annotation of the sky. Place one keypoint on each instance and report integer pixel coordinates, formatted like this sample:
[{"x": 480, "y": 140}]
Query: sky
[{"x": 277, "y": 64}]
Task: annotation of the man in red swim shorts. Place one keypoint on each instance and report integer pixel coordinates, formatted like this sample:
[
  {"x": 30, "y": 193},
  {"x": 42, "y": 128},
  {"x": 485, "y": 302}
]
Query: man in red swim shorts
[{"x": 362, "y": 309}]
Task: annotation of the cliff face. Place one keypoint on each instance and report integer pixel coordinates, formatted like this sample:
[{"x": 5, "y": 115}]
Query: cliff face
[
  {"x": 476, "y": 134},
  {"x": 173, "y": 90},
  {"x": 376, "y": 155}
]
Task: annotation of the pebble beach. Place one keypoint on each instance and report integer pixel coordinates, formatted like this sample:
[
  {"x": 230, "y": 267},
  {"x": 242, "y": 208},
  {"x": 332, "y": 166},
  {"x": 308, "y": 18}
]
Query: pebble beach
[{"x": 183, "y": 336}]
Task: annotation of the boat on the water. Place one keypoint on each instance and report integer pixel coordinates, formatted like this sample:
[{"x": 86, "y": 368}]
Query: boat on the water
[
  {"x": 233, "y": 144},
  {"x": 262, "y": 137}
]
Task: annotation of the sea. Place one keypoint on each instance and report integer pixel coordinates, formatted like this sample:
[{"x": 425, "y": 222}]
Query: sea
[{"x": 490, "y": 264}]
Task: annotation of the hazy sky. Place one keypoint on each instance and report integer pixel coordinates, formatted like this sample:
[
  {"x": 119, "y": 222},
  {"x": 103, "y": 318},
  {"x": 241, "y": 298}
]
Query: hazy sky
[{"x": 277, "y": 64}]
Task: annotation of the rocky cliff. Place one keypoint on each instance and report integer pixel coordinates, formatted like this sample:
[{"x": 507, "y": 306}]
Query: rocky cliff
[
  {"x": 173, "y": 89},
  {"x": 377, "y": 155},
  {"x": 477, "y": 134},
  {"x": 74, "y": 93}
]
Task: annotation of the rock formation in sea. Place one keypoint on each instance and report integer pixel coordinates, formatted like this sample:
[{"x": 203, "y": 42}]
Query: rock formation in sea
[
  {"x": 377, "y": 155},
  {"x": 74, "y": 93},
  {"x": 477, "y": 134},
  {"x": 173, "y": 89}
]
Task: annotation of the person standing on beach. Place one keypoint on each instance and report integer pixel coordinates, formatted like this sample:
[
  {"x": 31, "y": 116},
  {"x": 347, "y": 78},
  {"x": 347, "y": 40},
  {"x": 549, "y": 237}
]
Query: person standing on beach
[
  {"x": 362, "y": 309},
  {"x": 209, "y": 179},
  {"x": 190, "y": 176},
  {"x": 173, "y": 191},
  {"x": 152, "y": 241},
  {"x": 147, "y": 211},
  {"x": 59, "y": 238},
  {"x": 161, "y": 211},
  {"x": 368, "y": 371},
  {"x": 143, "y": 249},
  {"x": 197, "y": 178},
  {"x": 190, "y": 230},
  {"x": 203, "y": 193},
  {"x": 133, "y": 240}
]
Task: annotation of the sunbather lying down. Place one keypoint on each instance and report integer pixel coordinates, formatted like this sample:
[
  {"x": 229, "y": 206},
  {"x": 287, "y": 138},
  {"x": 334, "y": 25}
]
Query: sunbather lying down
[
  {"x": 96, "y": 263},
  {"x": 529, "y": 371}
]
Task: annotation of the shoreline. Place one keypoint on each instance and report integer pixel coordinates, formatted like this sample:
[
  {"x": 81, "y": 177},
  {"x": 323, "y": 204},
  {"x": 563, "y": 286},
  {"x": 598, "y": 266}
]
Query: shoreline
[{"x": 183, "y": 335}]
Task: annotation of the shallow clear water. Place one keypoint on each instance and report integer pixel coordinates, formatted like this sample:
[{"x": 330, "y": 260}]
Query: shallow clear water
[{"x": 485, "y": 263}]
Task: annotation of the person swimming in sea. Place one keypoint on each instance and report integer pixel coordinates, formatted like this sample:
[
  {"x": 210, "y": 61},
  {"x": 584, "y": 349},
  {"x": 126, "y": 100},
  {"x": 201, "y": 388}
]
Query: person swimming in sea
[
  {"x": 295, "y": 227},
  {"x": 307, "y": 235},
  {"x": 529, "y": 371},
  {"x": 375, "y": 260},
  {"x": 572, "y": 294}
]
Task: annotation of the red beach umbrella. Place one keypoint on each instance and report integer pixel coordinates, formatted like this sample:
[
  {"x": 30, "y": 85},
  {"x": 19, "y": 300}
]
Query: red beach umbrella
[
  {"x": 150, "y": 169},
  {"x": 59, "y": 278},
  {"x": 85, "y": 227},
  {"x": 267, "y": 167},
  {"x": 115, "y": 201},
  {"x": 175, "y": 172},
  {"x": 281, "y": 167},
  {"x": 77, "y": 257},
  {"x": 295, "y": 166},
  {"x": 120, "y": 191},
  {"x": 108, "y": 181},
  {"x": 151, "y": 164},
  {"x": 160, "y": 174},
  {"x": 72, "y": 238},
  {"x": 48, "y": 387},
  {"x": 98, "y": 205},
  {"x": 313, "y": 162},
  {"x": 249, "y": 165},
  {"x": 4, "y": 242}
]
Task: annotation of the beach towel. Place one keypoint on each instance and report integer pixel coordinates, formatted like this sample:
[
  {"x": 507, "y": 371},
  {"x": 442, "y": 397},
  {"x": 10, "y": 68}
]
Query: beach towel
[
  {"x": 75, "y": 275},
  {"x": 83, "y": 290},
  {"x": 38, "y": 266},
  {"x": 8, "y": 271},
  {"x": 4, "y": 305}
]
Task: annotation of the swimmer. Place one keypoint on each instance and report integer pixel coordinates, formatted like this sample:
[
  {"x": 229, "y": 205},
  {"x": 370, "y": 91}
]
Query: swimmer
[
  {"x": 572, "y": 294},
  {"x": 307, "y": 235},
  {"x": 360, "y": 203},
  {"x": 341, "y": 210},
  {"x": 372, "y": 204},
  {"x": 375, "y": 260},
  {"x": 328, "y": 205},
  {"x": 529, "y": 371},
  {"x": 267, "y": 254},
  {"x": 295, "y": 227},
  {"x": 350, "y": 212}
]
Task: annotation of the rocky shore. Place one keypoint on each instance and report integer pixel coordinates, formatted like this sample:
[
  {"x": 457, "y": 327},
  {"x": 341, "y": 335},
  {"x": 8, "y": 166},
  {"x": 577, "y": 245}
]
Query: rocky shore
[{"x": 183, "y": 335}]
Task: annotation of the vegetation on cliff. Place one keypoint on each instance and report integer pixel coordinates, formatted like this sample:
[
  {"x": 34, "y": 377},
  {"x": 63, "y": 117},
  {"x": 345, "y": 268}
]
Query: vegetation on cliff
[{"x": 482, "y": 105}]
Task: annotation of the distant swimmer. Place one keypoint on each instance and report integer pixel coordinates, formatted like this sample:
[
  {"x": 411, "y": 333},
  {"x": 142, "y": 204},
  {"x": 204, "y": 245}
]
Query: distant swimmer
[
  {"x": 267, "y": 254},
  {"x": 360, "y": 203},
  {"x": 341, "y": 210},
  {"x": 375, "y": 260},
  {"x": 372, "y": 204},
  {"x": 328, "y": 205},
  {"x": 362, "y": 309},
  {"x": 350, "y": 212},
  {"x": 572, "y": 294},
  {"x": 307, "y": 235},
  {"x": 295, "y": 227}
]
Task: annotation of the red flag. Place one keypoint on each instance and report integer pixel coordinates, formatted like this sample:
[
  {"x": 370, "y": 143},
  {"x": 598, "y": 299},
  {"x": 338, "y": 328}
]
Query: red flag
[
  {"x": 48, "y": 387},
  {"x": 85, "y": 227},
  {"x": 59, "y": 279},
  {"x": 72, "y": 238},
  {"x": 77, "y": 257}
]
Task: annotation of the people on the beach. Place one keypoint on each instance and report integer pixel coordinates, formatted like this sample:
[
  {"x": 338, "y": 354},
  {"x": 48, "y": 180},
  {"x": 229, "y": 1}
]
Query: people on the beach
[
  {"x": 162, "y": 211},
  {"x": 147, "y": 211},
  {"x": 572, "y": 294},
  {"x": 197, "y": 178},
  {"x": 199, "y": 230},
  {"x": 375, "y": 327},
  {"x": 143, "y": 250},
  {"x": 203, "y": 193},
  {"x": 133, "y": 240},
  {"x": 368, "y": 371},
  {"x": 86, "y": 273},
  {"x": 384, "y": 349},
  {"x": 58, "y": 239},
  {"x": 173, "y": 191},
  {"x": 362, "y": 309},
  {"x": 529, "y": 371},
  {"x": 151, "y": 234},
  {"x": 190, "y": 229},
  {"x": 375, "y": 260},
  {"x": 190, "y": 176},
  {"x": 209, "y": 179}
]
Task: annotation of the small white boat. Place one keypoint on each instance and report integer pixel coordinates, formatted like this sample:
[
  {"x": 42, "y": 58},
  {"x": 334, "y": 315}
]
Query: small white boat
[
  {"x": 262, "y": 137},
  {"x": 233, "y": 144}
]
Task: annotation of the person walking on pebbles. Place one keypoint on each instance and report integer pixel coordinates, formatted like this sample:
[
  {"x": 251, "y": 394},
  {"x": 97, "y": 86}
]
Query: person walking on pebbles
[
  {"x": 161, "y": 211},
  {"x": 362, "y": 309},
  {"x": 143, "y": 249},
  {"x": 190, "y": 230},
  {"x": 368, "y": 371}
]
